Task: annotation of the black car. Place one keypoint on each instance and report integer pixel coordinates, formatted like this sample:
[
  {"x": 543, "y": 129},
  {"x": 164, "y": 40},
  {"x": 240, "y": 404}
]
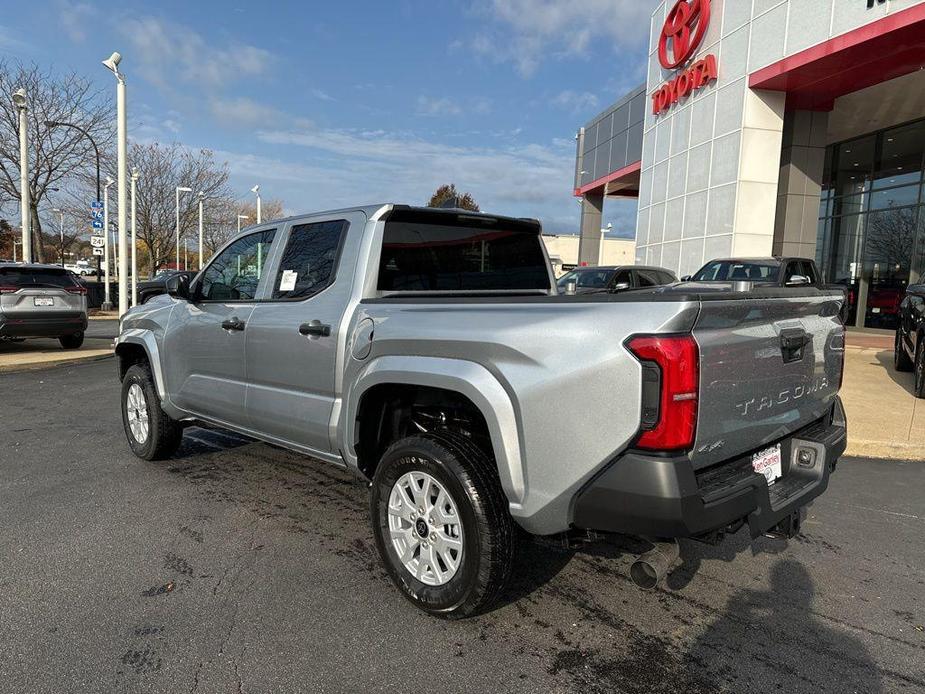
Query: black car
[
  {"x": 909, "y": 347},
  {"x": 775, "y": 271},
  {"x": 158, "y": 285},
  {"x": 615, "y": 278}
]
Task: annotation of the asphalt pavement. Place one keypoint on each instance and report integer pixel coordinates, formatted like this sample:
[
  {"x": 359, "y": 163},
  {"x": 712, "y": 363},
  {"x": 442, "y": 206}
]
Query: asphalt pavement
[{"x": 237, "y": 566}]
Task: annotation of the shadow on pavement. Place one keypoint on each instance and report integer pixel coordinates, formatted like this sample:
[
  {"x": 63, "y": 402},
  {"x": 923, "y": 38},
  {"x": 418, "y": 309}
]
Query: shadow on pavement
[
  {"x": 903, "y": 379},
  {"x": 778, "y": 629}
]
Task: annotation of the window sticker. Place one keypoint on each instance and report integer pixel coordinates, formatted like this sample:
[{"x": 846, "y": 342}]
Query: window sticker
[{"x": 288, "y": 280}]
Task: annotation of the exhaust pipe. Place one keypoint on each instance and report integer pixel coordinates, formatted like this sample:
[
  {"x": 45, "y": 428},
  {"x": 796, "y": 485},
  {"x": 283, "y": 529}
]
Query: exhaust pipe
[{"x": 652, "y": 566}]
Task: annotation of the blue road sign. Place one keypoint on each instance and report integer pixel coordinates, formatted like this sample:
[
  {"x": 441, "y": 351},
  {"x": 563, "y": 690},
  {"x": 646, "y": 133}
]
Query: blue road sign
[
  {"x": 97, "y": 224},
  {"x": 96, "y": 214},
  {"x": 96, "y": 205}
]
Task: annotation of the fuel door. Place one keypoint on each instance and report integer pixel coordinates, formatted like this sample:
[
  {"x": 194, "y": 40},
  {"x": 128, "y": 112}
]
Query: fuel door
[{"x": 362, "y": 342}]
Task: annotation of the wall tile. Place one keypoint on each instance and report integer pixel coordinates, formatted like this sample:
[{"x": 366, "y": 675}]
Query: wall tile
[
  {"x": 721, "y": 210},
  {"x": 691, "y": 257},
  {"x": 725, "y": 164},
  {"x": 735, "y": 14},
  {"x": 764, "y": 109},
  {"x": 680, "y": 124},
  {"x": 698, "y": 167},
  {"x": 760, "y": 155},
  {"x": 677, "y": 175},
  {"x": 756, "y": 205},
  {"x": 645, "y": 187},
  {"x": 642, "y": 227},
  {"x": 695, "y": 214},
  {"x": 671, "y": 256},
  {"x": 717, "y": 247},
  {"x": 733, "y": 56},
  {"x": 730, "y": 105},
  {"x": 656, "y": 224},
  {"x": 751, "y": 245},
  {"x": 702, "y": 113},
  {"x": 663, "y": 139},
  {"x": 674, "y": 220},
  {"x": 659, "y": 182},
  {"x": 767, "y": 43},
  {"x": 808, "y": 24}
]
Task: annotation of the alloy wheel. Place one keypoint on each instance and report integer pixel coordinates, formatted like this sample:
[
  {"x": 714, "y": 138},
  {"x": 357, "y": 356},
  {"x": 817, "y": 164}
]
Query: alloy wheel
[{"x": 137, "y": 409}]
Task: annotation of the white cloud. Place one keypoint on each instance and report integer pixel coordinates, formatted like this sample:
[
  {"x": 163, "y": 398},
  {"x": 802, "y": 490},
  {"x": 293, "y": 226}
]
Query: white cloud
[
  {"x": 576, "y": 102},
  {"x": 170, "y": 52},
  {"x": 525, "y": 32},
  {"x": 77, "y": 19},
  {"x": 242, "y": 111},
  {"x": 437, "y": 106},
  {"x": 322, "y": 95}
]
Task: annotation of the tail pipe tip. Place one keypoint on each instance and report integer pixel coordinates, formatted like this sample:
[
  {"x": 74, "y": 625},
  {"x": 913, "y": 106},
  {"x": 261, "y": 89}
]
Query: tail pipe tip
[{"x": 653, "y": 566}]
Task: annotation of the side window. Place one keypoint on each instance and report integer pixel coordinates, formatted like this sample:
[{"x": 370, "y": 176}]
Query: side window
[
  {"x": 310, "y": 258},
  {"x": 793, "y": 268},
  {"x": 622, "y": 277},
  {"x": 234, "y": 274},
  {"x": 667, "y": 278},
  {"x": 809, "y": 270},
  {"x": 647, "y": 278}
]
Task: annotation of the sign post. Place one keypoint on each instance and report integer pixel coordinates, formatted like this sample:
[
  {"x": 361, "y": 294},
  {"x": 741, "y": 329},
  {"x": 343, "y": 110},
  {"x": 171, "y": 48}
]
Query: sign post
[{"x": 96, "y": 214}]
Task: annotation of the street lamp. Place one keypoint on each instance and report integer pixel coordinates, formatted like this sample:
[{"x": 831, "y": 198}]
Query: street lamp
[
  {"x": 61, "y": 212},
  {"x": 134, "y": 244},
  {"x": 240, "y": 217},
  {"x": 202, "y": 196},
  {"x": 112, "y": 63},
  {"x": 180, "y": 189},
  {"x": 53, "y": 123},
  {"x": 19, "y": 99},
  {"x": 107, "y": 302},
  {"x": 256, "y": 191}
]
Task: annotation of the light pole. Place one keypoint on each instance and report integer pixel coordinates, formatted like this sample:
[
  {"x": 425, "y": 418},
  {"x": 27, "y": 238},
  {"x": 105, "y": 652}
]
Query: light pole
[
  {"x": 202, "y": 196},
  {"x": 112, "y": 63},
  {"x": 134, "y": 244},
  {"x": 256, "y": 191},
  {"x": 15, "y": 243},
  {"x": 107, "y": 302},
  {"x": 240, "y": 217},
  {"x": 180, "y": 189},
  {"x": 19, "y": 98},
  {"x": 61, "y": 212},
  {"x": 51, "y": 124}
]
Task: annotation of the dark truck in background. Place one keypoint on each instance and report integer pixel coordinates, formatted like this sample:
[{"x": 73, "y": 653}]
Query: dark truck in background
[{"x": 430, "y": 352}]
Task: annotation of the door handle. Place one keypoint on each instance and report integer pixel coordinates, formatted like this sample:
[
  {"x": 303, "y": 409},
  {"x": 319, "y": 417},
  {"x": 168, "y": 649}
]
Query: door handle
[
  {"x": 233, "y": 324},
  {"x": 315, "y": 329}
]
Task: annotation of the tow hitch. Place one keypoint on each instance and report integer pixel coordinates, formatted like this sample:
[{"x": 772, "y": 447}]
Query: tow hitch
[{"x": 788, "y": 528}]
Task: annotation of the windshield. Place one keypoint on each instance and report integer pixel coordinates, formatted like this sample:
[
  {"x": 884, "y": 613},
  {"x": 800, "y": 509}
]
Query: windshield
[
  {"x": 735, "y": 270},
  {"x": 595, "y": 278}
]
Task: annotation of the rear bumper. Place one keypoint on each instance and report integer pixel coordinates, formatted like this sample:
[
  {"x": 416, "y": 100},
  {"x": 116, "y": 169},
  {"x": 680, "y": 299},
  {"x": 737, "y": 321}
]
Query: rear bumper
[
  {"x": 666, "y": 498},
  {"x": 46, "y": 324}
]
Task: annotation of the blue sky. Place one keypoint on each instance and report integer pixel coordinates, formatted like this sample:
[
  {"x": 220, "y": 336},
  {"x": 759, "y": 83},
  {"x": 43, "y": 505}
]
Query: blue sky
[{"x": 341, "y": 103}]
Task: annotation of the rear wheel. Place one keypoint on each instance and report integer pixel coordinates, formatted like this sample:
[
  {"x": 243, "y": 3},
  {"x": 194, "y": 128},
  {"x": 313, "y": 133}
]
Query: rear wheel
[
  {"x": 441, "y": 524},
  {"x": 151, "y": 433},
  {"x": 72, "y": 341},
  {"x": 919, "y": 388},
  {"x": 901, "y": 360}
]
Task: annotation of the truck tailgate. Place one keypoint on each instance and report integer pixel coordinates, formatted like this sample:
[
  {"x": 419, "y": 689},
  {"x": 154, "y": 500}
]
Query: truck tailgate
[{"x": 768, "y": 366}]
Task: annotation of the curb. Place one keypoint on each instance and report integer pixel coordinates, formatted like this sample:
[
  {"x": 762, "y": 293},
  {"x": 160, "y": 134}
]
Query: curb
[
  {"x": 36, "y": 365},
  {"x": 883, "y": 450}
]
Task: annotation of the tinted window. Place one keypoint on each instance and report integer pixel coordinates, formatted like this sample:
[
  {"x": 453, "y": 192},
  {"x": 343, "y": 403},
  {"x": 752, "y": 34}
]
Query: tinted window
[
  {"x": 35, "y": 277},
  {"x": 809, "y": 270},
  {"x": 648, "y": 278},
  {"x": 622, "y": 277},
  {"x": 309, "y": 260},
  {"x": 457, "y": 252},
  {"x": 667, "y": 277},
  {"x": 733, "y": 270},
  {"x": 586, "y": 279},
  {"x": 234, "y": 274}
]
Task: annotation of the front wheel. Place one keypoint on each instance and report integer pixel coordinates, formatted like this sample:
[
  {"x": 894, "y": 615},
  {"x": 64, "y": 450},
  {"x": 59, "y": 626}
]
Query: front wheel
[
  {"x": 151, "y": 433},
  {"x": 441, "y": 524},
  {"x": 919, "y": 387},
  {"x": 901, "y": 360}
]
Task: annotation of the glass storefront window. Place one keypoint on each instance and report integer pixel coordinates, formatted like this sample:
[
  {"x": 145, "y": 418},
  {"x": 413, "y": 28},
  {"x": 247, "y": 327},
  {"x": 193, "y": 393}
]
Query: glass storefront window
[{"x": 871, "y": 235}]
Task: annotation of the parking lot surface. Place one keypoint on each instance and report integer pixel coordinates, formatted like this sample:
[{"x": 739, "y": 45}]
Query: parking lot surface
[{"x": 237, "y": 566}]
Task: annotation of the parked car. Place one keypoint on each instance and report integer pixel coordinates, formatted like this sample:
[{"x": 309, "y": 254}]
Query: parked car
[
  {"x": 81, "y": 268},
  {"x": 611, "y": 278},
  {"x": 42, "y": 301},
  {"x": 909, "y": 347},
  {"x": 429, "y": 351},
  {"x": 158, "y": 285},
  {"x": 773, "y": 271}
]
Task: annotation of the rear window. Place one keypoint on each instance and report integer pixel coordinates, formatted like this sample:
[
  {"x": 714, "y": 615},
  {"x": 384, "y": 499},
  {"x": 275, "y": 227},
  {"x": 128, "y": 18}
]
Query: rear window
[
  {"x": 732, "y": 270},
  {"x": 423, "y": 251},
  {"x": 35, "y": 277}
]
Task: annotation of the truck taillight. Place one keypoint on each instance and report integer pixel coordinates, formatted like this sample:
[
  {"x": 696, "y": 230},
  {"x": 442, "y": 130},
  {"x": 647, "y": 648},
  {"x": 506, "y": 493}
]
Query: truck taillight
[
  {"x": 8, "y": 290},
  {"x": 671, "y": 379}
]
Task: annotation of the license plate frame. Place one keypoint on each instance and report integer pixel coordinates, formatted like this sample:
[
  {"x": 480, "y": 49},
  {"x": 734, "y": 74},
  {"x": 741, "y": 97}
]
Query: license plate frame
[
  {"x": 769, "y": 463},
  {"x": 43, "y": 301}
]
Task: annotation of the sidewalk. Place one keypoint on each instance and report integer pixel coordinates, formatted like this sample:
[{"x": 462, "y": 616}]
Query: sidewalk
[
  {"x": 884, "y": 419},
  {"x": 34, "y": 354}
]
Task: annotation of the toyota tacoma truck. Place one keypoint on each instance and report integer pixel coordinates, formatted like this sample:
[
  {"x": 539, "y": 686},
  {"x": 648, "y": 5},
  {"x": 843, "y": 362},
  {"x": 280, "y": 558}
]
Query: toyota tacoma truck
[{"x": 429, "y": 352}]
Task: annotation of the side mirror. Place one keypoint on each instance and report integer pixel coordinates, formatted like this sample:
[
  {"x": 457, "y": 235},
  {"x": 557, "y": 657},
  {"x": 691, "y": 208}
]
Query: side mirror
[
  {"x": 620, "y": 286},
  {"x": 798, "y": 281},
  {"x": 686, "y": 278},
  {"x": 178, "y": 287}
]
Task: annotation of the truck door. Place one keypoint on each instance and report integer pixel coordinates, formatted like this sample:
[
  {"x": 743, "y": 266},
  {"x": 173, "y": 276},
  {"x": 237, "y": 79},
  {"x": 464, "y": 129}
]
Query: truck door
[
  {"x": 293, "y": 335},
  {"x": 205, "y": 337}
]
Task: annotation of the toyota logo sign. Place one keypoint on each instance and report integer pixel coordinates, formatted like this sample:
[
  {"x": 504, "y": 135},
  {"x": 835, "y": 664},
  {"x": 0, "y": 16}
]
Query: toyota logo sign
[{"x": 683, "y": 31}]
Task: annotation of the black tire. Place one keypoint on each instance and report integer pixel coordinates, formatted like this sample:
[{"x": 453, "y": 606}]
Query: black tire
[
  {"x": 901, "y": 360},
  {"x": 164, "y": 434},
  {"x": 919, "y": 386},
  {"x": 471, "y": 479},
  {"x": 72, "y": 341}
]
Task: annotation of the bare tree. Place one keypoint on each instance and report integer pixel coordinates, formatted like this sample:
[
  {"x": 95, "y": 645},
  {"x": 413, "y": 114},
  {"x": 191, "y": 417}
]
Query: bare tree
[
  {"x": 891, "y": 238},
  {"x": 161, "y": 169},
  {"x": 56, "y": 154},
  {"x": 221, "y": 219}
]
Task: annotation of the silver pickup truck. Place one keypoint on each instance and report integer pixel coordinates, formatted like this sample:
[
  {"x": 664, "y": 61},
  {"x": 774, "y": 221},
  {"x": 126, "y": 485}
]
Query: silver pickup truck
[{"x": 429, "y": 351}]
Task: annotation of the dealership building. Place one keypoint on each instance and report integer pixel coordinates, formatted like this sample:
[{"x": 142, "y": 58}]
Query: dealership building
[{"x": 771, "y": 127}]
